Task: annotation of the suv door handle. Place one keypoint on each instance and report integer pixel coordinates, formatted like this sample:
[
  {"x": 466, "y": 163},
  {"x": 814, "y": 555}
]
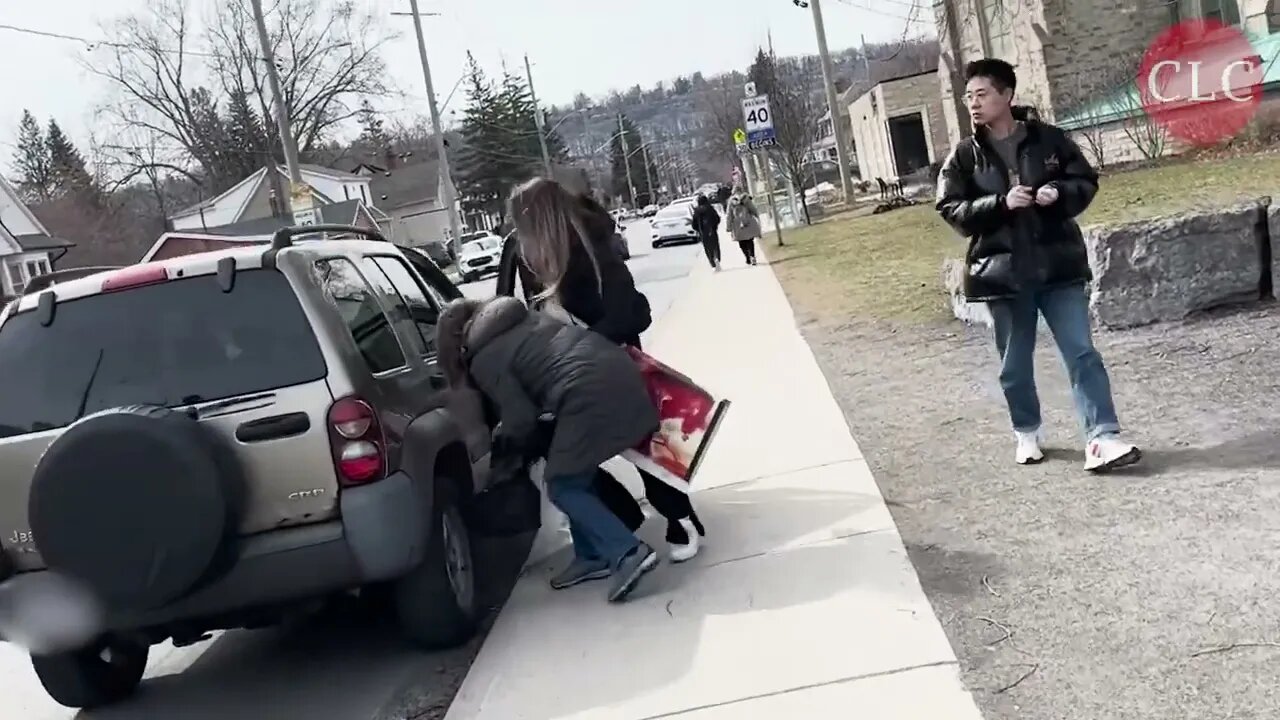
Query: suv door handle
[{"x": 273, "y": 428}]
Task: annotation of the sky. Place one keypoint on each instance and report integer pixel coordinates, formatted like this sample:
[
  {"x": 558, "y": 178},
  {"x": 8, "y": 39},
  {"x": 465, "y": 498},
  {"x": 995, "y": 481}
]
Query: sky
[{"x": 592, "y": 46}]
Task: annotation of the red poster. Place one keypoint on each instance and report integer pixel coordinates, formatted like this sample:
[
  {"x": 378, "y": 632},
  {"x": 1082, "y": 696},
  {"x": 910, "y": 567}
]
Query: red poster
[{"x": 689, "y": 417}]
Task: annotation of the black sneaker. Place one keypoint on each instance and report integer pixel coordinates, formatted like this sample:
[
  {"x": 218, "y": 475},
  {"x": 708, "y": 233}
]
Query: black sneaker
[
  {"x": 633, "y": 566},
  {"x": 580, "y": 571}
]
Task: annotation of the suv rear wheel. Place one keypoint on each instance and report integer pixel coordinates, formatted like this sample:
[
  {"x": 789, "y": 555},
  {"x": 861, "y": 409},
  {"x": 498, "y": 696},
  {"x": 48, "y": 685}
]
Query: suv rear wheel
[
  {"x": 104, "y": 673},
  {"x": 436, "y": 602}
]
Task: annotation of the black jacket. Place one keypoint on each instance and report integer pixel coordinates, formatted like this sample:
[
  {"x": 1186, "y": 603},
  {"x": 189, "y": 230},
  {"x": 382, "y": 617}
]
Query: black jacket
[
  {"x": 1015, "y": 250},
  {"x": 707, "y": 221},
  {"x": 613, "y": 307},
  {"x": 529, "y": 364}
]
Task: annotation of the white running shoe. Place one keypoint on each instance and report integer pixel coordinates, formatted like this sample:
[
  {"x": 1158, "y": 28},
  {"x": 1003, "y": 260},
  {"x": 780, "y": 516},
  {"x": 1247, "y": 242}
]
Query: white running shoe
[
  {"x": 682, "y": 553},
  {"x": 1029, "y": 452},
  {"x": 1108, "y": 452}
]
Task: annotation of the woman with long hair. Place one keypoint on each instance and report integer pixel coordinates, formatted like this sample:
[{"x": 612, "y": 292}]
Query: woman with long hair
[
  {"x": 529, "y": 365},
  {"x": 564, "y": 245}
]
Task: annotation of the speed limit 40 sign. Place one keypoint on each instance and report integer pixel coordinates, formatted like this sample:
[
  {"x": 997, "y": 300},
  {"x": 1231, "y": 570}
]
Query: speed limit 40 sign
[{"x": 757, "y": 118}]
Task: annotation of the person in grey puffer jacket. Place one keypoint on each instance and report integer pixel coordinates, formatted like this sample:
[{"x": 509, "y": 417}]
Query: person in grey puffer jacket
[
  {"x": 531, "y": 365},
  {"x": 743, "y": 221}
]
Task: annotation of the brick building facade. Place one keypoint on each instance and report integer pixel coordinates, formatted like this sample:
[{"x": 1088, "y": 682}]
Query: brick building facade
[{"x": 1070, "y": 54}]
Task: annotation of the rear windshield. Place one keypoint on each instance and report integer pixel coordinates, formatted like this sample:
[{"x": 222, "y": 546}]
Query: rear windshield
[{"x": 176, "y": 343}]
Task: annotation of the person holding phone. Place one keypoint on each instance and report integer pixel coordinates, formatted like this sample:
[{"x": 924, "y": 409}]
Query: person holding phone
[{"x": 1014, "y": 189}]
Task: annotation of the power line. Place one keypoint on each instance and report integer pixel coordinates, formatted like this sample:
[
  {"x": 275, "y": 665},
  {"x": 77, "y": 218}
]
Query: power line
[
  {"x": 91, "y": 44},
  {"x": 877, "y": 11}
]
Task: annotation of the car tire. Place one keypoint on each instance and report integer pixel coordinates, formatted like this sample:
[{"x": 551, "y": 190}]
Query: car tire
[
  {"x": 102, "y": 674},
  {"x": 436, "y": 603}
]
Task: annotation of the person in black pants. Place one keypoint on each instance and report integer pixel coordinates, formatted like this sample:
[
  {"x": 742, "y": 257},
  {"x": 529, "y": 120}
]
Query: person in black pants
[
  {"x": 707, "y": 222},
  {"x": 595, "y": 286}
]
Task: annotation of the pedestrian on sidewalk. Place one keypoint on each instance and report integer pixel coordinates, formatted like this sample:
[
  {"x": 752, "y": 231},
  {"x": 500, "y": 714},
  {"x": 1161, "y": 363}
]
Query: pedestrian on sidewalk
[
  {"x": 1014, "y": 189},
  {"x": 530, "y": 365},
  {"x": 744, "y": 223},
  {"x": 565, "y": 262},
  {"x": 707, "y": 223}
]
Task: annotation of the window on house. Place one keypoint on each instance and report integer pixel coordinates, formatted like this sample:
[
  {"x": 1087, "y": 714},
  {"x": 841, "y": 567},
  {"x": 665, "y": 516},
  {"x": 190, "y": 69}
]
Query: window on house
[
  {"x": 16, "y": 278},
  {"x": 36, "y": 268},
  {"x": 1226, "y": 12},
  {"x": 999, "y": 27}
]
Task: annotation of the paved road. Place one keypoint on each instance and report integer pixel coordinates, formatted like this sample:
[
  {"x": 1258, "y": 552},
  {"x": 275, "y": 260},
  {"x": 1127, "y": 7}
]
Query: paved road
[
  {"x": 658, "y": 273},
  {"x": 342, "y": 665}
]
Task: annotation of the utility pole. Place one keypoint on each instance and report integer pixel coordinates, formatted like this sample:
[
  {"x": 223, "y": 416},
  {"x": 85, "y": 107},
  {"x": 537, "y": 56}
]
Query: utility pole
[
  {"x": 866, "y": 58},
  {"x": 833, "y": 104},
  {"x": 626, "y": 159},
  {"x": 537, "y": 118},
  {"x": 290, "y": 146},
  {"x": 648, "y": 173},
  {"x": 446, "y": 177}
]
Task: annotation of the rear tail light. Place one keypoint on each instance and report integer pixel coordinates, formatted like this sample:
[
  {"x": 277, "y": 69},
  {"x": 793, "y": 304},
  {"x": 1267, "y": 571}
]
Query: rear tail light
[{"x": 359, "y": 449}]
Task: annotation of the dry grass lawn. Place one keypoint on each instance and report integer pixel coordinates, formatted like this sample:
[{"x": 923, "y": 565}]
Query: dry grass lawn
[{"x": 853, "y": 266}]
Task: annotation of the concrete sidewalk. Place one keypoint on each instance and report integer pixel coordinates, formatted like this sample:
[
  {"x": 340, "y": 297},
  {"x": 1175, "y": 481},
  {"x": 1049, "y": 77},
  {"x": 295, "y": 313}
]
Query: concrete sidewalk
[{"x": 803, "y": 603}]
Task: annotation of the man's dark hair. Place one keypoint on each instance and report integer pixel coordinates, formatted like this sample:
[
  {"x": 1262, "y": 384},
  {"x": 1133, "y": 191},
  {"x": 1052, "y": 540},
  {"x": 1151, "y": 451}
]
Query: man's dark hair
[{"x": 999, "y": 72}]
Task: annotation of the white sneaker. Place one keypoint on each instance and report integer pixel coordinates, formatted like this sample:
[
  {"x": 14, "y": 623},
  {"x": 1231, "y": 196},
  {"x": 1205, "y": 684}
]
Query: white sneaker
[
  {"x": 1028, "y": 452},
  {"x": 1108, "y": 452},
  {"x": 682, "y": 553}
]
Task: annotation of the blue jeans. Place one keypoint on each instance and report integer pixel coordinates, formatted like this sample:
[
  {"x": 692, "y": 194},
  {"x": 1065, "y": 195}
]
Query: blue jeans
[
  {"x": 597, "y": 533},
  {"x": 1066, "y": 312}
]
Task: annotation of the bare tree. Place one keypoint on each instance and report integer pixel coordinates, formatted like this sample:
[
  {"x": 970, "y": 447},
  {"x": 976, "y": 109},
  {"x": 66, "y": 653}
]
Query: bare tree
[
  {"x": 328, "y": 56},
  {"x": 721, "y": 102},
  {"x": 163, "y": 70},
  {"x": 796, "y": 114}
]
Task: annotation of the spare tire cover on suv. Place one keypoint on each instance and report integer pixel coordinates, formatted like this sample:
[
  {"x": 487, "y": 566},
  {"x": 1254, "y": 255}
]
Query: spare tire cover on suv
[{"x": 136, "y": 502}]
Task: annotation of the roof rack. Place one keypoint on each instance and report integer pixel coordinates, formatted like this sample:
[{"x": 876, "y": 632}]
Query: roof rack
[
  {"x": 42, "y": 282},
  {"x": 283, "y": 237}
]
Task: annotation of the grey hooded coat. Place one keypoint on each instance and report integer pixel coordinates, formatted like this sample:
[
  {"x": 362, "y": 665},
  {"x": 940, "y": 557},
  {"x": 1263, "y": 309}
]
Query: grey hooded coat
[
  {"x": 742, "y": 219},
  {"x": 529, "y": 364}
]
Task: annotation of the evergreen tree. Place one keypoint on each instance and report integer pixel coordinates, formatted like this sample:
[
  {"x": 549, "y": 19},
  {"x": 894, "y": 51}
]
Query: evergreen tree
[
  {"x": 373, "y": 135},
  {"x": 485, "y": 166},
  {"x": 500, "y": 134},
  {"x": 248, "y": 143},
  {"x": 645, "y": 194},
  {"x": 66, "y": 166},
  {"x": 35, "y": 174}
]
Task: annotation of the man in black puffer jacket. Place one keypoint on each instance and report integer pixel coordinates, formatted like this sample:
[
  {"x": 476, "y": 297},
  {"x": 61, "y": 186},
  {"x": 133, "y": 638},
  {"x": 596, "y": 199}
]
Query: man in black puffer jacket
[{"x": 1014, "y": 190}]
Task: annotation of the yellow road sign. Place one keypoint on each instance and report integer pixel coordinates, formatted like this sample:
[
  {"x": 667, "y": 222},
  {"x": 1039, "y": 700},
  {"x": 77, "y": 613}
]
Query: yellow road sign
[{"x": 739, "y": 136}]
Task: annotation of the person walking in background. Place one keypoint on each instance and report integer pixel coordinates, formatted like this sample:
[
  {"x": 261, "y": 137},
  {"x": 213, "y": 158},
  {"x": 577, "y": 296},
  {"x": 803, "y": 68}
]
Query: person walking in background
[
  {"x": 1014, "y": 190},
  {"x": 744, "y": 223},
  {"x": 529, "y": 365},
  {"x": 563, "y": 259},
  {"x": 707, "y": 223}
]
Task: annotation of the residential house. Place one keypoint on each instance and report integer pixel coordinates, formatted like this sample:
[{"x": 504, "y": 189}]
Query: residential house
[
  {"x": 249, "y": 207},
  {"x": 824, "y": 148},
  {"x": 27, "y": 249},
  {"x": 899, "y": 127},
  {"x": 1074, "y": 59},
  {"x": 410, "y": 197}
]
